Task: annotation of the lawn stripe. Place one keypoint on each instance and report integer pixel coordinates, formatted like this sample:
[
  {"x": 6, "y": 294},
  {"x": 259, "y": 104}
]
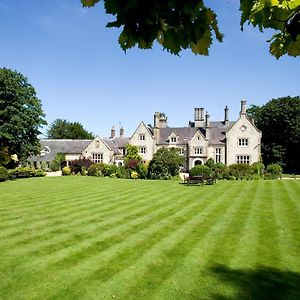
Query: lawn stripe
[
  {"x": 66, "y": 249},
  {"x": 287, "y": 220},
  {"x": 267, "y": 247},
  {"x": 85, "y": 267},
  {"x": 67, "y": 213},
  {"x": 123, "y": 217},
  {"x": 156, "y": 248},
  {"x": 186, "y": 271},
  {"x": 77, "y": 211}
]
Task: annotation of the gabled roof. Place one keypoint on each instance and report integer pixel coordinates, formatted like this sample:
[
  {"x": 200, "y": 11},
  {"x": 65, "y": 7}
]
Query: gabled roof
[
  {"x": 60, "y": 146},
  {"x": 217, "y": 133},
  {"x": 184, "y": 134}
]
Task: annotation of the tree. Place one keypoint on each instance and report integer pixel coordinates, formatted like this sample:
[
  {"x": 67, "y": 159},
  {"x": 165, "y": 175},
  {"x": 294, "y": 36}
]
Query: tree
[
  {"x": 63, "y": 129},
  {"x": 21, "y": 115},
  {"x": 166, "y": 163},
  {"x": 132, "y": 156},
  {"x": 279, "y": 121},
  {"x": 190, "y": 24}
]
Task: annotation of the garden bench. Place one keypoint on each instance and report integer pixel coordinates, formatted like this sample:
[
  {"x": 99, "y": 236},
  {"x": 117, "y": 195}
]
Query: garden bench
[
  {"x": 200, "y": 179},
  {"x": 22, "y": 174}
]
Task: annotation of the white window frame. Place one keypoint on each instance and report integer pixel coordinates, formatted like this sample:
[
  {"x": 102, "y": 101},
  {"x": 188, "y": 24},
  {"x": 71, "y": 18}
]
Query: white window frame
[
  {"x": 142, "y": 150},
  {"x": 142, "y": 137},
  {"x": 97, "y": 158},
  {"x": 198, "y": 150},
  {"x": 181, "y": 151},
  {"x": 243, "y": 159},
  {"x": 218, "y": 152},
  {"x": 173, "y": 139},
  {"x": 243, "y": 142}
]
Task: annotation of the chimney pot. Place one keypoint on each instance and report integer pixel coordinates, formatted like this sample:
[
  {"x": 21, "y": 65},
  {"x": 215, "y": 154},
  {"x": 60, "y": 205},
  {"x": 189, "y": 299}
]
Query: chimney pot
[{"x": 112, "y": 132}]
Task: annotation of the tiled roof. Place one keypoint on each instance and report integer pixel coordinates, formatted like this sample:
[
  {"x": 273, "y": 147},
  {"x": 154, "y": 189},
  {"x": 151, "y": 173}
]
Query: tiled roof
[
  {"x": 60, "y": 146},
  {"x": 185, "y": 134}
]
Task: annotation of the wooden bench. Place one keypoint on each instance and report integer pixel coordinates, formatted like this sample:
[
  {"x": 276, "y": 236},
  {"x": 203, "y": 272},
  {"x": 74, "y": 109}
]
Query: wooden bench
[{"x": 200, "y": 179}]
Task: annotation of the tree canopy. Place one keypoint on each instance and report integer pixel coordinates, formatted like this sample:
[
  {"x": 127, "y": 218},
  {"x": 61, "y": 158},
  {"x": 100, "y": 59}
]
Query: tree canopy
[
  {"x": 191, "y": 24},
  {"x": 166, "y": 163},
  {"x": 279, "y": 121},
  {"x": 63, "y": 129},
  {"x": 21, "y": 115}
]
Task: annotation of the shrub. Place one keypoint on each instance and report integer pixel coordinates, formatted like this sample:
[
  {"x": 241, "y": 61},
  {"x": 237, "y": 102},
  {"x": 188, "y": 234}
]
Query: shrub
[
  {"x": 3, "y": 174},
  {"x": 165, "y": 163},
  {"x": 56, "y": 163},
  {"x": 132, "y": 164},
  {"x": 39, "y": 173},
  {"x": 25, "y": 172},
  {"x": 240, "y": 171},
  {"x": 76, "y": 165},
  {"x": 96, "y": 169},
  {"x": 220, "y": 171},
  {"x": 200, "y": 170},
  {"x": 274, "y": 171},
  {"x": 142, "y": 171},
  {"x": 258, "y": 168},
  {"x": 210, "y": 163},
  {"x": 66, "y": 171}
]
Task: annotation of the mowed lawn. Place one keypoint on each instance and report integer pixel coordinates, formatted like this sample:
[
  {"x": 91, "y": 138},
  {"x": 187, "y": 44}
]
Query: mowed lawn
[{"x": 98, "y": 238}]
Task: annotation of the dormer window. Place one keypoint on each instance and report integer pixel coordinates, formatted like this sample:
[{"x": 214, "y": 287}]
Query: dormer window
[
  {"x": 142, "y": 137},
  {"x": 173, "y": 139}
]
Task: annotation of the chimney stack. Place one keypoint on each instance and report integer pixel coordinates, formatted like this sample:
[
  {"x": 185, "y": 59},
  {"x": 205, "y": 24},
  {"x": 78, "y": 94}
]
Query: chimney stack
[
  {"x": 112, "y": 132},
  {"x": 226, "y": 120},
  {"x": 122, "y": 131},
  {"x": 243, "y": 107},
  {"x": 199, "y": 117},
  {"x": 207, "y": 125}
]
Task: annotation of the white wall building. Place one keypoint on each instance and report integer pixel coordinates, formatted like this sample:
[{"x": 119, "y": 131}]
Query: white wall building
[{"x": 224, "y": 141}]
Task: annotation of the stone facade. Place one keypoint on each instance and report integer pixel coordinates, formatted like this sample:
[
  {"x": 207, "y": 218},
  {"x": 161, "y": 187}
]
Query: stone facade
[{"x": 224, "y": 141}]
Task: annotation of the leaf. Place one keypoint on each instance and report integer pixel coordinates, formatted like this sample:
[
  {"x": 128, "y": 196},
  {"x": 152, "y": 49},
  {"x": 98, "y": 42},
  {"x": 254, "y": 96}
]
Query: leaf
[
  {"x": 203, "y": 44},
  {"x": 89, "y": 3}
]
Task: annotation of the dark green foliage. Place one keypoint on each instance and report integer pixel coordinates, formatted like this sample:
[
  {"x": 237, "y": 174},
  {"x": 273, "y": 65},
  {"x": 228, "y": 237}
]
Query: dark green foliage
[
  {"x": 165, "y": 164},
  {"x": 3, "y": 174},
  {"x": 176, "y": 25},
  {"x": 274, "y": 171},
  {"x": 96, "y": 169},
  {"x": 200, "y": 170},
  {"x": 142, "y": 171},
  {"x": 66, "y": 171},
  {"x": 210, "y": 162},
  {"x": 21, "y": 115},
  {"x": 279, "y": 121},
  {"x": 258, "y": 168},
  {"x": 240, "y": 171},
  {"x": 220, "y": 171},
  {"x": 63, "y": 129},
  {"x": 4, "y": 156},
  {"x": 25, "y": 172},
  {"x": 57, "y": 162},
  {"x": 80, "y": 165},
  {"x": 190, "y": 24}
]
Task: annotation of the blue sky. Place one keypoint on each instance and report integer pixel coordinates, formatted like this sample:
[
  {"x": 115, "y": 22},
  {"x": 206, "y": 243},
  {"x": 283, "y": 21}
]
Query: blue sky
[{"x": 81, "y": 74}]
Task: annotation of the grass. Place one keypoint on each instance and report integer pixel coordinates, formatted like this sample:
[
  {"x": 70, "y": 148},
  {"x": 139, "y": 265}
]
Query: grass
[{"x": 97, "y": 238}]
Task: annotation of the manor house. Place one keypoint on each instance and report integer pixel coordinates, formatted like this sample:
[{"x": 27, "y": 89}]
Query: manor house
[{"x": 224, "y": 141}]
